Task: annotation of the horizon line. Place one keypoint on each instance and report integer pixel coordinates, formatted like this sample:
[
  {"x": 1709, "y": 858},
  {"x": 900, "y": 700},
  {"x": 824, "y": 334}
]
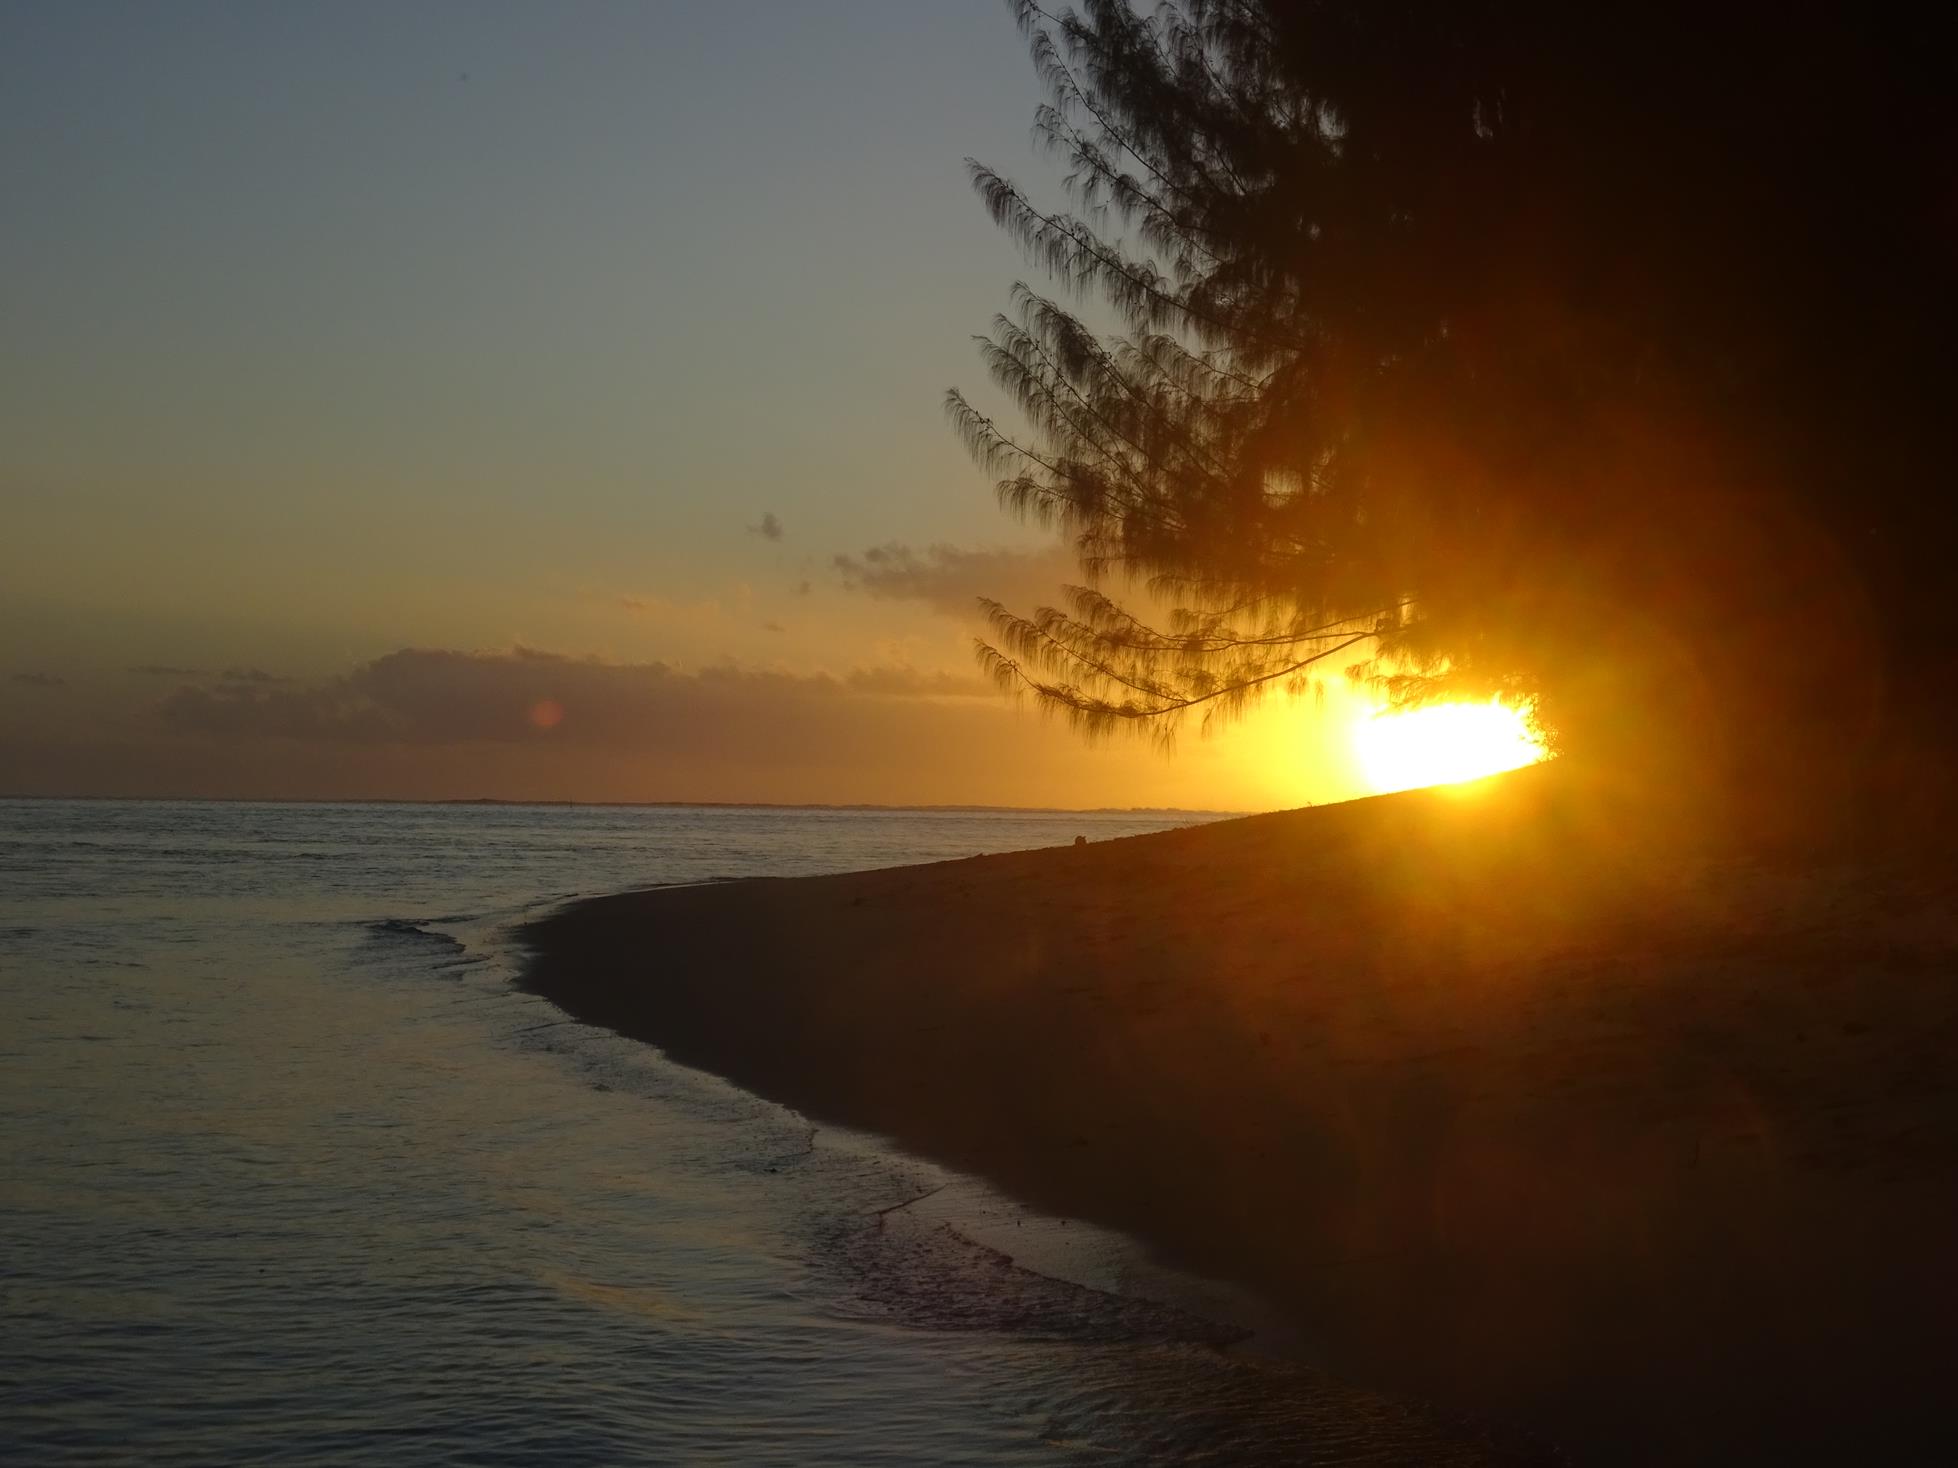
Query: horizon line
[{"x": 488, "y": 800}]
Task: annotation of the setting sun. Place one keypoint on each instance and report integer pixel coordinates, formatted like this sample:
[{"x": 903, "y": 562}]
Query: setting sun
[{"x": 1443, "y": 744}]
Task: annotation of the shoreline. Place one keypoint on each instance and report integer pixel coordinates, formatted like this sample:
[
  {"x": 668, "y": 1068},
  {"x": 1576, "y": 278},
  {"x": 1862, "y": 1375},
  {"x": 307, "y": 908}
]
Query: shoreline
[{"x": 1640, "y": 1143}]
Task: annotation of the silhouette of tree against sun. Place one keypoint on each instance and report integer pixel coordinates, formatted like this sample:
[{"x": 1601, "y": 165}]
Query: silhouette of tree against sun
[{"x": 1593, "y": 357}]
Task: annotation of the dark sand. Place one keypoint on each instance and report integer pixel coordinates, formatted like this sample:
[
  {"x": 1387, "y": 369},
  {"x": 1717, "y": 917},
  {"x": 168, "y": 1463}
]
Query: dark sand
[{"x": 1641, "y": 1142}]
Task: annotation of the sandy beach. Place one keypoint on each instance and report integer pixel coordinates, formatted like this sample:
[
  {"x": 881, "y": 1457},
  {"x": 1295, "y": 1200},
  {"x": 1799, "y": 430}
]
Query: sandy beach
[{"x": 1516, "y": 1100}]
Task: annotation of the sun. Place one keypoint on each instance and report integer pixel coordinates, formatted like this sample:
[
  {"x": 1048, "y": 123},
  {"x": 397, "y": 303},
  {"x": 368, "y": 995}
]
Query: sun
[{"x": 1443, "y": 744}]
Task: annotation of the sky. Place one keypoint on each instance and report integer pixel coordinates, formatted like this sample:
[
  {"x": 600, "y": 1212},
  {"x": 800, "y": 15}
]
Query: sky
[{"x": 463, "y": 400}]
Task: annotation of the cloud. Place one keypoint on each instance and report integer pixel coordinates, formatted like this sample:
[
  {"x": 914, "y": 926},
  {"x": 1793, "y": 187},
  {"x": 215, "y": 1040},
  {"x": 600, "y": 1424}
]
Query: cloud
[
  {"x": 229, "y": 675},
  {"x": 521, "y": 724},
  {"x": 706, "y": 613},
  {"x": 432, "y": 697},
  {"x": 770, "y": 528},
  {"x": 952, "y": 580},
  {"x": 41, "y": 680},
  {"x": 897, "y": 681}
]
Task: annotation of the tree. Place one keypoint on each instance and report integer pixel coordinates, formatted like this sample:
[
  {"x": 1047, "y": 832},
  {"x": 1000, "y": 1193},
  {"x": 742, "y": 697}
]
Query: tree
[{"x": 1591, "y": 358}]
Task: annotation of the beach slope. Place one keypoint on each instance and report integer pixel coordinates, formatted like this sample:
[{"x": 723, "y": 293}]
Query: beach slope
[{"x": 1640, "y": 1139}]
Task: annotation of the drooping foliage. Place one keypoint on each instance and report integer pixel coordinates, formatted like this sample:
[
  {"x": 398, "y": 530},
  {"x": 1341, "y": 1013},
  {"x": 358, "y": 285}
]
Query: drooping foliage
[{"x": 1593, "y": 357}]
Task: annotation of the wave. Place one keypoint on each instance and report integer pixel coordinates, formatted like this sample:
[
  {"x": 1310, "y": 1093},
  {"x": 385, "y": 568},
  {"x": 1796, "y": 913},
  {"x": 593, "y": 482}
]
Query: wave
[
  {"x": 421, "y": 944},
  {"x": 413, "y": 929}
]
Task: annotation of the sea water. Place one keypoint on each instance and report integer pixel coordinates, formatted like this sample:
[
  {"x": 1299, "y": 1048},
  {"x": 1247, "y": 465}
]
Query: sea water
[{"x": 293, "y": 1171}]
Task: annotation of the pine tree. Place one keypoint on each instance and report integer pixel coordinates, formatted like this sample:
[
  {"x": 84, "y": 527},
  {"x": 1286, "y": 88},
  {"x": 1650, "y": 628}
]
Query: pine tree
[{"x": 1591, "y": 358}]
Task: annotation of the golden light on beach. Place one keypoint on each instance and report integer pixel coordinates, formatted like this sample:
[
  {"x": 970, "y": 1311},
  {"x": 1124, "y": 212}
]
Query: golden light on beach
[{"x": 1443, "y": 744}]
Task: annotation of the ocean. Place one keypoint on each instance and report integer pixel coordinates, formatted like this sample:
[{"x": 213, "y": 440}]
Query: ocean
[{"x": 293, "y": 1171}]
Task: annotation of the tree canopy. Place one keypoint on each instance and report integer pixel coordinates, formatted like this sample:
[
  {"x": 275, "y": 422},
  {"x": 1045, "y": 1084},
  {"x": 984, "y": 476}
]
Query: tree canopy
[{"x": 1595, "y": 357}]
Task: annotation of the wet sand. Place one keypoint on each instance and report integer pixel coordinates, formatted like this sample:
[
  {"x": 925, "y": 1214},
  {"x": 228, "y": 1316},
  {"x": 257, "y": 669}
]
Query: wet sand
[{"x": 1520, "y": 1100}]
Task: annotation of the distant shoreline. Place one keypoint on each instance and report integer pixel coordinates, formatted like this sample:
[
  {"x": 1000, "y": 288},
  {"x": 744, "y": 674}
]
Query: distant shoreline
[
  {"x": 1592, "y": 1130},
  {"x": 1169, "y": 811}
]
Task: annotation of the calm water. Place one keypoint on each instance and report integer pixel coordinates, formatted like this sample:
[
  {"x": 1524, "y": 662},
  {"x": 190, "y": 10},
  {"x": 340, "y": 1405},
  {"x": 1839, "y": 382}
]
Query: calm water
[{"x": 290, "y": 1171}]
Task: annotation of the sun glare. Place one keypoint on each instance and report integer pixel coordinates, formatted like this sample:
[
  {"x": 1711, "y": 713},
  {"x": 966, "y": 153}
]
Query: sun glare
[{"x": 1443, "y": 744}]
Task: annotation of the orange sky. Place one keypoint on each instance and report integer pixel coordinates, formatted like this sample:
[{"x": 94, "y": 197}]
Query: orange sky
[{"x": 375, "y": 375}]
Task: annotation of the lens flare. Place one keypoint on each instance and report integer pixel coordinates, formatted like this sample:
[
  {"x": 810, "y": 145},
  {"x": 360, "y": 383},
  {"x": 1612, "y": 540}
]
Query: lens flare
[{"x": 1443, "y": 744}]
